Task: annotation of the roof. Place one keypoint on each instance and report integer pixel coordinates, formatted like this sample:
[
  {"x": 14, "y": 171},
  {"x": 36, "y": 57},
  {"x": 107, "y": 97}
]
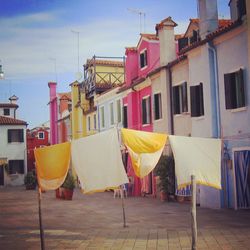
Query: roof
[
  {"x": 65, "y": 96},
  {"x": 149, "y": 36},
  {"x": 166, "y": 22},
  {"x": 11, "y": 121},
  {"x": 8, "y": 105},
  {"x": 212, "y": 35},
  {"x": 105, "y": 62}
]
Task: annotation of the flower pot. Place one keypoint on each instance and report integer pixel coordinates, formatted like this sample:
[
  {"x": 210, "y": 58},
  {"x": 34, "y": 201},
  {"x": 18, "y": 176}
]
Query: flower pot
[
  {"x": 163, "y": 196},
  {"x": 67, "y": 193}
]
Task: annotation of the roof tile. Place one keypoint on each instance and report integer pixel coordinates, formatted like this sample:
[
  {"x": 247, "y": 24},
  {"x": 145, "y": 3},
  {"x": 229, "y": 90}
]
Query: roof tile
[{"x": 11, "y": 121}]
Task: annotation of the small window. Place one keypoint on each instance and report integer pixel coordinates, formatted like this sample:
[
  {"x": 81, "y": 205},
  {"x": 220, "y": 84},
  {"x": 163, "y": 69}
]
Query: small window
[
  {"x": 197, "y": 105},
  {"x": 125, "y": 116},
  {"x": 102, "y": 117},
  {"x": 157, "y": 106},
  {"x": 41, "y": 135},
  {"x": 118, "y": 110},
  {"x": 234, "y": 90},
  {"x": 6, "y": 112},
  {"x": 16, "y": 167},
  {"x": 146, "y": 110},
  {"x": 143, "y": 59},
  {"x": 111, "y": 109},
  {"x": 180, "y": 104},
  {"x": 15, "y": 135}
]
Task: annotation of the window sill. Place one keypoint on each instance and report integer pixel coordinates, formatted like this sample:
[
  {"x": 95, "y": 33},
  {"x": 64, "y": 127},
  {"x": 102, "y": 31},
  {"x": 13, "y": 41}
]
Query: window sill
[
  {"x": 239, "y": 109},
  {"x": 146, "y": 125},
  {"x": 158, "y": 120},
  {"x": 144, "y": 67},
  {"x": 198, "y": 118},
  {"x": 182, "y": 114}
]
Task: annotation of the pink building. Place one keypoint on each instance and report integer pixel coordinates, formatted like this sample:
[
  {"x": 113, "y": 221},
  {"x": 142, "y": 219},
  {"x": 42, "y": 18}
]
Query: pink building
[{"x": 140, "y": 61}]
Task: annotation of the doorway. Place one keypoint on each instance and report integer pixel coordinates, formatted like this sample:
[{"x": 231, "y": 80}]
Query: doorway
[{"x": 242, "y": 178}]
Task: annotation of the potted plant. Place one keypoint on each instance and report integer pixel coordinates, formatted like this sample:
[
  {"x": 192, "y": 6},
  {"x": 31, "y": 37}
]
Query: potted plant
[
  {"x": 30, "y": 181},
  {"x": 68, "y": 187},
  {"x": 165, "y": 170}
]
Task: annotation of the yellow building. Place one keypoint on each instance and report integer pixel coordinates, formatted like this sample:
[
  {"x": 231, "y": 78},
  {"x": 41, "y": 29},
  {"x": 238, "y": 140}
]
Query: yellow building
[{"x": 100, "y": 75}]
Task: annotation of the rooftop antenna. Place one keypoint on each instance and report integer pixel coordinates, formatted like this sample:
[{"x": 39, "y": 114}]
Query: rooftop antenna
[{"x": 140, "y": 13}]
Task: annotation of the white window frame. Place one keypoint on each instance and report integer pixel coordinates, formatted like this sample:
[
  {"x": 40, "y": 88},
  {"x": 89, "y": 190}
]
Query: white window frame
[
  {"x": 146, "y": 63},
  {"x": 38, "y": 135},
  {"x": 148, "y": 110},
  {"x": 112, "y": 114},
  {"x": 160, "y": 105},
  {"x": 102, "y": 117}
]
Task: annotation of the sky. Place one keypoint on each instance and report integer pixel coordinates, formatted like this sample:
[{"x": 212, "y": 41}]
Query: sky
[{"x": 39, "y": 41}]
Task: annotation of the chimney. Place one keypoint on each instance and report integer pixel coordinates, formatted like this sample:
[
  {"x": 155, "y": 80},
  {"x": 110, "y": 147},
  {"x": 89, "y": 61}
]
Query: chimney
[
  {"x": 208, "y": 15},
  {"x": 13, "y": 99},
  {"x": 165, "y": 32}
]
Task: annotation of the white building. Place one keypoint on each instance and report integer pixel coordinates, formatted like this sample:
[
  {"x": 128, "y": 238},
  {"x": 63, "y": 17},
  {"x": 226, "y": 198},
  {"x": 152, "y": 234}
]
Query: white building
[{"x": 13, "y": 155}]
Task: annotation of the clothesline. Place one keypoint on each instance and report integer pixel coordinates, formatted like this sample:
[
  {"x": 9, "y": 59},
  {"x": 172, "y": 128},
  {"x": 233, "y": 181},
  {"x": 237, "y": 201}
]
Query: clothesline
[{"x": 98, "y": 164}]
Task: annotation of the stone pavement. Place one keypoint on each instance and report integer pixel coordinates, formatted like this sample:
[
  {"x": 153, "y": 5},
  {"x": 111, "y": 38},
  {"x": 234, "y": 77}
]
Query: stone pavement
[{"x": 95, "y": 222}]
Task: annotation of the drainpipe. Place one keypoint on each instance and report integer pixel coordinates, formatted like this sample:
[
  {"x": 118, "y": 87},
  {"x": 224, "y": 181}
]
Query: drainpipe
[
  {"x": 171, "y": 98},
  {"x": 215, "y": 98}
]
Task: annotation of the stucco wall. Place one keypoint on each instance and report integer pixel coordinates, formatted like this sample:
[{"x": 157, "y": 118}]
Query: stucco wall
[
  {"x": 199, "y": 72},
  {"x": 13, "y": 151},
  {"x": 234, "y": 52},
  {"x": 182, "y": 122}
]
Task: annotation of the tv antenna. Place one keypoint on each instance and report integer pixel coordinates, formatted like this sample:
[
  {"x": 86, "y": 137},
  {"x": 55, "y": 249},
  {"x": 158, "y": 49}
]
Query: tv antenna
[{"x": 142, "y": 15}]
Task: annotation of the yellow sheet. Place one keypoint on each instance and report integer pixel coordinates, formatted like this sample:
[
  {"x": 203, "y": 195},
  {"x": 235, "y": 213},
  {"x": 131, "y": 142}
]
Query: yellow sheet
[
  {"x": 52, "y": 164},
  {"x": 145, "y": 149}
]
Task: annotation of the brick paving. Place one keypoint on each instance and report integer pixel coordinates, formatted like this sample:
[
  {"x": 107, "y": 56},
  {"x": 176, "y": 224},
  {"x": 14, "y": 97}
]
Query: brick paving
[{"x": 95, "y": 222}]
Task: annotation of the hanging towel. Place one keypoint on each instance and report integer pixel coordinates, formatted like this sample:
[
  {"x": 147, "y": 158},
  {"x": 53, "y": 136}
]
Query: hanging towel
[
  {"x": 52, "y": 164},
  {"x": 197, "y": 156},
  {"x": 145, "y": 149},
  {"x": 97, "y": 161}
]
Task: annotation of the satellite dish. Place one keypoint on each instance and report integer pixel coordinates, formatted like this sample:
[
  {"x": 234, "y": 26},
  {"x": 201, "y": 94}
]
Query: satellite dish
[{"x": 78, "y": 76}]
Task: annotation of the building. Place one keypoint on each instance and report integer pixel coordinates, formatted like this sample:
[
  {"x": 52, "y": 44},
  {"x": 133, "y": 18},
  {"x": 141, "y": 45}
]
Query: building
[
  {"x": 36, "y": 137},
  {"x": 13, "y": 161}
]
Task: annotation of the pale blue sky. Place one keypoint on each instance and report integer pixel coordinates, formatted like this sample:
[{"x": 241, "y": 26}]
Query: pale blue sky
[{"x": 37, "y": 33}]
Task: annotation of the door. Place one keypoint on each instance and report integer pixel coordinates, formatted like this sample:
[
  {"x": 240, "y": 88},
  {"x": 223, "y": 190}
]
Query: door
[
  {"x": 1, "y": 175},
  {"x": 242, "y": 178}
]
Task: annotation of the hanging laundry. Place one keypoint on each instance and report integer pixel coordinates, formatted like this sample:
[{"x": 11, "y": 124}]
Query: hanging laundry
[
  {"x": 145, "y": 149},
  {"x": 97, "y": 161},
  {"x": 52, "y": 164},
  {"x": 197, "y": 156}
]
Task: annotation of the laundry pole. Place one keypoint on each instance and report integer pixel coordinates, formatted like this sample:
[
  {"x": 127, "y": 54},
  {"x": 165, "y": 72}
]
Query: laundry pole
[
  {"x": 40, "y": 218},
  {"x": 193, "y": 213}
]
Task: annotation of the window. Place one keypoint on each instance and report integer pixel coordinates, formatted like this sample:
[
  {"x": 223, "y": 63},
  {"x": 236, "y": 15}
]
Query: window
[
  {"x": 6, "y": 112},
  {"x": 146, "y": 111},
  {"x": 118, "y": 110},
  {"x": 15, "y": 135},
  {"x": 241, "y": 6},
  {"x": 88, "y": 123},
  {"x": 16, "y": 167},
  {"x": 180, "y": 104},
  {"x": 94, "y": 121},
  {"x": 111, "y": 109},
  {"x": 157, "y": 106},
  {"x": 197, "y": 105},
  {"x": 125, "y": 116},
  {"x": 102, "y": 117},
  {"x": 234, "y": 90},
  {"x": 40, "y": 135},
  {"x": 143, "y": 59}
]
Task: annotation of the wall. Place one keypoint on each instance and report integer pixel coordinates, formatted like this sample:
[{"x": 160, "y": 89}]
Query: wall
[
  {"x": 13, "y": 151},
  {"x": 182, "y": 122}
]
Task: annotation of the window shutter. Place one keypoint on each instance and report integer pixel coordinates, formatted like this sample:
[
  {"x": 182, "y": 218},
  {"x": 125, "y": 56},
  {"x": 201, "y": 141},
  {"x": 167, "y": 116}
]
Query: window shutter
[
  {"x": 9, "y": 135},
  {"x": 201, "y": 101},
  {"x": 176, "y": 100},
  {"x": 242, "y": 88},
  {"x": 20, "y": 131},
  {"x": 228, "y": 91},
  {"x": 144, "y": 112},
  {"x": 145, "y": 58},
  {"x": 125, "y": 117},
  {"x": 184, "y": 97},
  {"x": 141, "y": 60},
  {"x": 182, "y": 43},
  {"x": 193, "y": 101}
]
